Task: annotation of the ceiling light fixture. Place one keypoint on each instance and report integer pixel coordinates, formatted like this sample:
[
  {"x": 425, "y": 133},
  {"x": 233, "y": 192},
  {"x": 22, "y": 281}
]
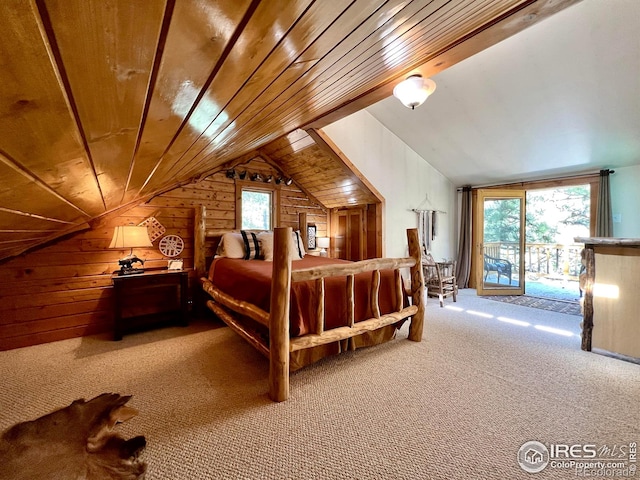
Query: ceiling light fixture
[{"x": 414, "y": 90}]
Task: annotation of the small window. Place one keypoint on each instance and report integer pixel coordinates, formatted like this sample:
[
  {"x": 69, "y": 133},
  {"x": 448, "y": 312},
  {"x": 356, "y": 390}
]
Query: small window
[{"x": 257, "y": 206}]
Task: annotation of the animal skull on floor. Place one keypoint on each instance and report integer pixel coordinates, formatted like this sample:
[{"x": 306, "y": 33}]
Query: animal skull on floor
[{"x": 74, "y": 443}]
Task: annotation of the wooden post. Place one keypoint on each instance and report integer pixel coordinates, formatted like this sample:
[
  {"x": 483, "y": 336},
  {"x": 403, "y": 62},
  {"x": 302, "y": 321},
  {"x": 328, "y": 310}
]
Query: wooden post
[
  {"x": 397, "y": 276},
  {"x": 350, "y": 300},
  {"x": 279, "y": 316},
  {"x": 417, "y": 285},
  {"x": 375, "y": 291},
  {"x": 199, "y": 260},
  {"x": 587, "y": 305},
  {"x": 319, "y": 328}
]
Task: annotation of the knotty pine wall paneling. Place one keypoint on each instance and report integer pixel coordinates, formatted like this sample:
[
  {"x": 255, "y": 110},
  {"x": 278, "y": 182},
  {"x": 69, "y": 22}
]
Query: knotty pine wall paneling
[{"x": 64, "y": 290}]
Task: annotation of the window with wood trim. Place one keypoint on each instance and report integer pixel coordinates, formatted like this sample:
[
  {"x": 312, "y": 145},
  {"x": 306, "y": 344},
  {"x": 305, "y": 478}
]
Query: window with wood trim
[{"x": 256, "y": 208}]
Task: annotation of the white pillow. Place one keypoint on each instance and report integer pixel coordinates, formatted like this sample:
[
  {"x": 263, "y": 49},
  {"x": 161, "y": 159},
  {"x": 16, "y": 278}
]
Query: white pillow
[
  {"x": 266, "y": 246},
  {"x": 231, "y": 246}
]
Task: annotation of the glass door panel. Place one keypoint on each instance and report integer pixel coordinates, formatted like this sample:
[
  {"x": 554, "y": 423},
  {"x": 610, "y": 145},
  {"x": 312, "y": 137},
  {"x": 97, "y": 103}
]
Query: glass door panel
[{"x": 501, "y": 215}]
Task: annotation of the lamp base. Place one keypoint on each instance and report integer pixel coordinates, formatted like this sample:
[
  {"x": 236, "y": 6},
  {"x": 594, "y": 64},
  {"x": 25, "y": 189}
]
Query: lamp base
[{"x": 323, "y": 252}]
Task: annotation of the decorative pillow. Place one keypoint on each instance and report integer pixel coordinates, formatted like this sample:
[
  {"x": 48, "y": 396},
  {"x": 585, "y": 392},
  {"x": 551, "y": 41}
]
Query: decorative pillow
[
  {"x": 231, "y": 246},
  {"x": 251, "y": 245},
  {"x": 266, "y": 246}
]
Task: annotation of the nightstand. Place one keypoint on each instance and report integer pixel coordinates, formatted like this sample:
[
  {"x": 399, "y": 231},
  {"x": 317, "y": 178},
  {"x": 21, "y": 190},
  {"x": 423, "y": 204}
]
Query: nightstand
[{"x": 144, "y": 299}]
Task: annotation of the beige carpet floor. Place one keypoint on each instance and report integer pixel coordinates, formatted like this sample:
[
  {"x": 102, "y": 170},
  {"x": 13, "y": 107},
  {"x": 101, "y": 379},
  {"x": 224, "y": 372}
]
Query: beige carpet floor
[{"x": 487, "y": 377}]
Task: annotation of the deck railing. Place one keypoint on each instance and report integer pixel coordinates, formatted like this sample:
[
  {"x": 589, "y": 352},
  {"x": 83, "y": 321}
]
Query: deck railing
[{"x": 542, "y": 258}]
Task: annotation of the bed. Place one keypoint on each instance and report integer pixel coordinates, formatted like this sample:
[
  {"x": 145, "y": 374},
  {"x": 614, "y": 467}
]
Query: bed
[{"x": 296, "y": 312}]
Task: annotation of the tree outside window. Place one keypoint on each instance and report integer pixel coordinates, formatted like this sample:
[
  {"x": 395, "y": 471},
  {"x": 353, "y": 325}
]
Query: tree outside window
[{"x": 256, "y": 209}]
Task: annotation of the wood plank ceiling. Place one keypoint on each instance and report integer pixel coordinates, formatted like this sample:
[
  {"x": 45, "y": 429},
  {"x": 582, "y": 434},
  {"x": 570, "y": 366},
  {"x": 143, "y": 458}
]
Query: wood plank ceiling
[{"x": 105, "y": 103}]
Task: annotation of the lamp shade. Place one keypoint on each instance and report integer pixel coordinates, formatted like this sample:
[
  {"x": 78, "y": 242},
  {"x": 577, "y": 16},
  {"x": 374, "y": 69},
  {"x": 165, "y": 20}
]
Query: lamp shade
[
  {"x": 130, "y": 236},
  {"x": 323, "y": 242},
  {"x": 414, "y": 90}
]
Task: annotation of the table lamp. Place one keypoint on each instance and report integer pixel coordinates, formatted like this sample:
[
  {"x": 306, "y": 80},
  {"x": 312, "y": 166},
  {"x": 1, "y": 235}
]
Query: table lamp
[
  {"x": 323, "y": 244},
  {"x": 130, "y": 236}
]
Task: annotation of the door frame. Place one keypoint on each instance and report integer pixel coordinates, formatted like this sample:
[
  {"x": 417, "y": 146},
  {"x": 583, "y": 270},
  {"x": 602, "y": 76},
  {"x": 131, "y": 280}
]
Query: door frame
[
  {"x": 490, "y": 193},
  {"x": 593, "y": 179}
]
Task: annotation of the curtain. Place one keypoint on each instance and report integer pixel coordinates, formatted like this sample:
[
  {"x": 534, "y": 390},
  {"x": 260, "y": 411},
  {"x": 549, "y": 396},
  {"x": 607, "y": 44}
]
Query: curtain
[
  {"x": 604, "y": 219},
  {"x": 463, "y": 267}
]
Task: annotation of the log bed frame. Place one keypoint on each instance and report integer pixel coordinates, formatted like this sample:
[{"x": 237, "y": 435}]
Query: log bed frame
[{"x": 280, "y": 345}]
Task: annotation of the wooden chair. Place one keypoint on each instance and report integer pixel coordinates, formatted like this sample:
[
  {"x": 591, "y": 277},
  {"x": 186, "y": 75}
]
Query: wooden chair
[{"x": 440, "y": 278}]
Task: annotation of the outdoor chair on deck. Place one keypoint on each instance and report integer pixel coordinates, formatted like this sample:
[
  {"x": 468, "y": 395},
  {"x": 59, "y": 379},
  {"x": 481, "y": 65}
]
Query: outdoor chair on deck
[
  {"x": 498, "y": 265},
  {"x": 440, "y": 278}
]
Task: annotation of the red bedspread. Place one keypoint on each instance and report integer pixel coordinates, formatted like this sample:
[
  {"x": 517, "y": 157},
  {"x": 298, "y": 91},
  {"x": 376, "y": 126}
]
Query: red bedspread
[{"x": 250, "y": 280}]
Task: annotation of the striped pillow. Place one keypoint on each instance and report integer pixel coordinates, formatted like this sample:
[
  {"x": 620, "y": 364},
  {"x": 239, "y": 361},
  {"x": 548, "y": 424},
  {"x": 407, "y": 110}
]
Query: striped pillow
[{"x": 251, "y": 245}]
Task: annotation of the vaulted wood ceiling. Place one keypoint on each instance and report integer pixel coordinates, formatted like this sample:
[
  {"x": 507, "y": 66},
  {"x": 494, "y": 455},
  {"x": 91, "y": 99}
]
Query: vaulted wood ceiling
[{"x": 105, "y": 103}]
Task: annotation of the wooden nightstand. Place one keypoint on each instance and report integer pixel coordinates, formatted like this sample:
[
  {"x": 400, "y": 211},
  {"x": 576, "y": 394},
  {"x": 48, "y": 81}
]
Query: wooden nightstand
[{"x": 149, "y": 298}]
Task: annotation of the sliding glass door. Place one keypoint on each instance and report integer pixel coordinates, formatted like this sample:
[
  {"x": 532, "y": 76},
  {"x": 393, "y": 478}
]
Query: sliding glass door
[{"x": 500, "y": 217}]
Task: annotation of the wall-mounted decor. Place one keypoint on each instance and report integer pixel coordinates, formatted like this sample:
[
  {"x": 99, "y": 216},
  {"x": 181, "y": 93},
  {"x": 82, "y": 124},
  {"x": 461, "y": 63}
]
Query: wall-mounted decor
[
  {"x": 171, "y": 246},
  {"x": 311, "y": 237},
  {"x": 155, "y": 228},
  {"x": 258, "y": 177}
]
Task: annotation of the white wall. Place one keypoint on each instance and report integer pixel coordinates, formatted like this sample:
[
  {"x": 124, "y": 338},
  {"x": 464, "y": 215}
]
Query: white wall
[
  {"x": 625, "y": 200},
  {"x": 404, "y": 178}
]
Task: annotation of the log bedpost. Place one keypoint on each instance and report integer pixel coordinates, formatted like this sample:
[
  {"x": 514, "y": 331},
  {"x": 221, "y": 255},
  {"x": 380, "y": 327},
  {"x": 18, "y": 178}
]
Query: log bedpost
[
  {"x": 199, "y": 222},
  {"x": 417, "y": 286},
  {"x": 587, "y": 305},
  {"x": 302, "y": 226},
  {"x": 279, "y": 316}
]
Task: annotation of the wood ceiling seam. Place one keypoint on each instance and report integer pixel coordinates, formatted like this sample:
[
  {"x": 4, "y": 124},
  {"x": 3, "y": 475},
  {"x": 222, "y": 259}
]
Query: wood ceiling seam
[
  {"x": 34, "y": 215},
  {"x": 107, "y": 69},
  {"x": 153, "y": 77},
  {"x": 17, "y": 167},
  {"x": 49, "y": 38},
  {"x": 225, "y": 54},
  {"x": 189, "y": 56},
  {"x": 177, "y": 166}
]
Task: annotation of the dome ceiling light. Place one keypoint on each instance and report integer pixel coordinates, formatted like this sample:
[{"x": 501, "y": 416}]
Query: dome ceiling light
[{"x": 414, "y": 90}]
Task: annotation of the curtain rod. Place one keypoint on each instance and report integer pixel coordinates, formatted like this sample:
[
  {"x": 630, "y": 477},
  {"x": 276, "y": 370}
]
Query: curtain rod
[
  {"x": 523, "y": 182},
  {"x": 418, "y": 210}
]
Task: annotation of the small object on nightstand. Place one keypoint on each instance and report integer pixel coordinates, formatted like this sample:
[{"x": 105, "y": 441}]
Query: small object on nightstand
[
  {"x": 174, "y": 265},
  {"x": 323, "y": 244}
]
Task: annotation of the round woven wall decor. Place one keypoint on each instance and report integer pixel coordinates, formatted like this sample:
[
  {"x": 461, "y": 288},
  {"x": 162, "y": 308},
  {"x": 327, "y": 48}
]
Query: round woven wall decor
[{"x": 171, "y": 245}]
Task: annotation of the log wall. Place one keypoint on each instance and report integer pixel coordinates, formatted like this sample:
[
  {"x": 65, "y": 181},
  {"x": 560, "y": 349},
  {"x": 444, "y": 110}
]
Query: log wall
[{"x": 64, "y": 290}]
